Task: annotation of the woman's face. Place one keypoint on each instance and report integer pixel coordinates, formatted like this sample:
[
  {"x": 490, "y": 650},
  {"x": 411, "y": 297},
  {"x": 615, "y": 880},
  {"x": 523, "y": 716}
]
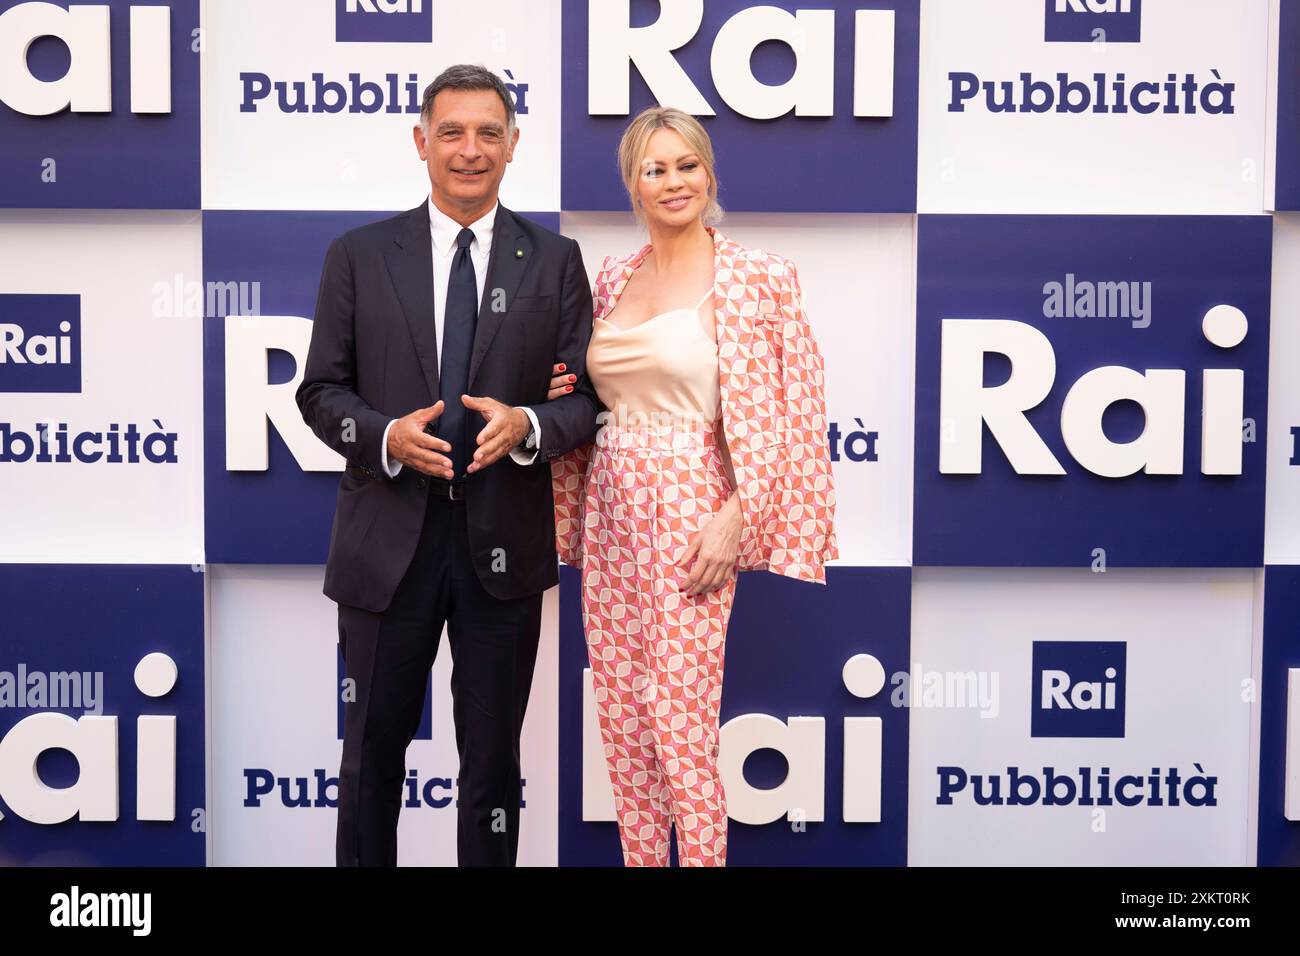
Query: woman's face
[{"x": 672, "y": 186}]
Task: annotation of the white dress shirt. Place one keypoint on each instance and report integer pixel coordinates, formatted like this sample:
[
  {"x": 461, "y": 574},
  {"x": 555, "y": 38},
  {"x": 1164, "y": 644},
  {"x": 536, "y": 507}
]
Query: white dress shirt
[{"x": 443, "y": 231}]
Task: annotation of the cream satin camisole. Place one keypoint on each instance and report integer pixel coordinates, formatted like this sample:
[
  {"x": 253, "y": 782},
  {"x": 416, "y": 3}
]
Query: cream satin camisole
[{"x": 666, "y": 366}]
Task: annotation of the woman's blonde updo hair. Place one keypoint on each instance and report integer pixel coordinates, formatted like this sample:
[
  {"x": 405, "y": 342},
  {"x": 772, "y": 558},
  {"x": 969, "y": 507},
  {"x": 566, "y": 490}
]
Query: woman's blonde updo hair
[{"x": 636, "y": 138}]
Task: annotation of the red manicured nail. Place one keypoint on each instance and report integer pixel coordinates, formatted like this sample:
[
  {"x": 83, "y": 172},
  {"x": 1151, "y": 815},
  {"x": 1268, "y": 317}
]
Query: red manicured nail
[
  {"x": 561, "y": 366},
  {"x": 568, "y": 388}
]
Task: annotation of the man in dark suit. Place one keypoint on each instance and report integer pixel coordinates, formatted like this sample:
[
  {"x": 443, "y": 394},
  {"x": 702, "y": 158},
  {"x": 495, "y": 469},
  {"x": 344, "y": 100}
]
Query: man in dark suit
[{"x": 435, "y": 331}]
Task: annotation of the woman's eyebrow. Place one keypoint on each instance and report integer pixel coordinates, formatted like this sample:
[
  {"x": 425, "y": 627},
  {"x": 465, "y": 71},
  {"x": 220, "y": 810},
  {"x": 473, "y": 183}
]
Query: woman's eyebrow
[{"x": 660, "y": 162}]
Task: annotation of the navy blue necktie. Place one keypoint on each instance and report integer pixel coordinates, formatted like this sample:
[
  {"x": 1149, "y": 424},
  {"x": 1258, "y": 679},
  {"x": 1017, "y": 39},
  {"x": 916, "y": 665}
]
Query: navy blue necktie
[{"x": 458, "y": 321}]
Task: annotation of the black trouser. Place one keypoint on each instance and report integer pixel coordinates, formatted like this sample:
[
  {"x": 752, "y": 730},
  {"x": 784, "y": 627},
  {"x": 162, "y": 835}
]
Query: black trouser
[{"x": 388, "y": 656}]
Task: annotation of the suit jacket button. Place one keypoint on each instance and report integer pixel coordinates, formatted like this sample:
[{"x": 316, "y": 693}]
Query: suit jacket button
[{"x": 420, "y": 482}]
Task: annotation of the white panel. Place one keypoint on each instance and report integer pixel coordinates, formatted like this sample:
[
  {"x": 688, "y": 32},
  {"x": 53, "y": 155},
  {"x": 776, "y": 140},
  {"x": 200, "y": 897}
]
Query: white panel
[
  {"x": 597, "y": 787},
  {"x": 1188, "y": 650},
  {"x": 268, "y": 159},
  {"x": 1250, "y": 685},
  {"x": 273, "y": 667},
  {"x": 977, "y": 161},
  {"x": 141, "y": 363},
  {"x": 1270, "y": 120},
  {"x": 1282, "y": 487}
]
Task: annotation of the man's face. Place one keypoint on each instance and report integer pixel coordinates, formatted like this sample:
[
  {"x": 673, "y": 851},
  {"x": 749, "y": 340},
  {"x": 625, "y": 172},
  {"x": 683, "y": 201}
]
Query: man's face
[{"x": 466, "y": 149}]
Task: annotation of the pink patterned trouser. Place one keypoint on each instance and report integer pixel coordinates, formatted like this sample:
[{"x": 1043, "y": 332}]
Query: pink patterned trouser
[{"x": 656, "y": 654}]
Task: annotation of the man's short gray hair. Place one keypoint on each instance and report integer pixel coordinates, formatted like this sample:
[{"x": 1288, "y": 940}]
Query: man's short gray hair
[{"x": 467, "y": 76}]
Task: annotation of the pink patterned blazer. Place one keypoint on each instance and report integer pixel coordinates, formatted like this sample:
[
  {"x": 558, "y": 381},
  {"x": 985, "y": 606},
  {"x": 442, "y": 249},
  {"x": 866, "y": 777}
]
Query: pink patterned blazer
[{"x": 774, "y": 415}]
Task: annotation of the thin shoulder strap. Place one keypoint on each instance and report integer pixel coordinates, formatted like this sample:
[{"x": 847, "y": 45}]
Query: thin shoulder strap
[{"x": 708, "y": 292}]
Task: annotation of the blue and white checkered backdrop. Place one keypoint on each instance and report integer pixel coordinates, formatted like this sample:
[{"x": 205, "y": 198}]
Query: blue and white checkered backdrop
[{"x": 1046, "y": 249}]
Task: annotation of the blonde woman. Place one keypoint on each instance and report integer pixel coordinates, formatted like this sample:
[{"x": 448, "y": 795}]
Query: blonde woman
[{"x": 711, "y": 458}]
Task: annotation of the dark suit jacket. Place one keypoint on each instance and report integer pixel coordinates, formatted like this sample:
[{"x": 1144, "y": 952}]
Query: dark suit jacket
[{"x": 373, "y": 358}]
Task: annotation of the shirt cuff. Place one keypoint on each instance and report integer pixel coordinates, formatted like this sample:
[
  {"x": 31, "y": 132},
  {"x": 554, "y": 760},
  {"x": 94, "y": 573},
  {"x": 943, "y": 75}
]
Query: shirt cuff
[
  {"x": 522, "y": 456},
  {"x": 383, "y": 453}
]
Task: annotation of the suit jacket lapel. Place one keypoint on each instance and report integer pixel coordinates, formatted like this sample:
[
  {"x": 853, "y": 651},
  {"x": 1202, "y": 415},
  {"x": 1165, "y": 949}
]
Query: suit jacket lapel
[
  {"x": 619, "y": 282},
  {"x": 736, "y": 301},
  {"x": 505, "y": 269},
  {"x": 410, "y": 264},
  {"x": 724, "y": 328}
]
